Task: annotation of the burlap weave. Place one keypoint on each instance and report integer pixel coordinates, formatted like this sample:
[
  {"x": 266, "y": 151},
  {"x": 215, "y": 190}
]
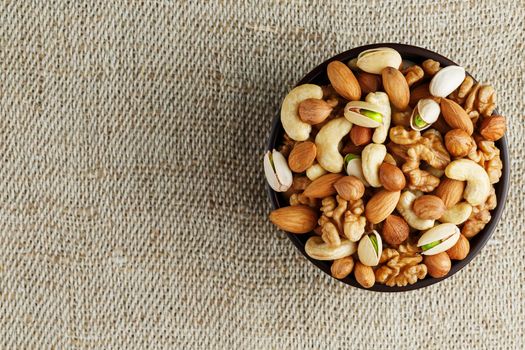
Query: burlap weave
[{"x": 132, "y": 198}]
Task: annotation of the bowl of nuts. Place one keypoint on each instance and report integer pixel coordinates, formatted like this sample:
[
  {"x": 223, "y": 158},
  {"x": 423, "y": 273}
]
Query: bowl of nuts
[{"x": 387, "y": 167}]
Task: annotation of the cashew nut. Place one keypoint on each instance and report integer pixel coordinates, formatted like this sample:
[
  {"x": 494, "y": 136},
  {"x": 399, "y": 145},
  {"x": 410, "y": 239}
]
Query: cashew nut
[
  {"x": 457, "y": 214},
  {"x": 381, "y": 100},
  {"x": 478, "y": 182},
  {"x": 372, "y": 157},
  {"x": 292, "y": 124},
  {"x": 327, "y": 142},
  {"x": 315, "y": 171},
  {"x": 318, "y": 249},
  {"x": 404, "y": 207}
]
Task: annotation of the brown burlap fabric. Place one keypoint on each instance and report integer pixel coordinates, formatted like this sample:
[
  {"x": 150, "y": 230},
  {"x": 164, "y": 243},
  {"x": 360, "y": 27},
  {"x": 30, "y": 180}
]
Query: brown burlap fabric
[{"x": 132, "y": 198}]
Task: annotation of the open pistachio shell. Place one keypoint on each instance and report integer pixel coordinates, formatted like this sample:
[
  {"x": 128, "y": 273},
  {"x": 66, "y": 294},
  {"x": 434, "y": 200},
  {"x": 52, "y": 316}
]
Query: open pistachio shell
[
  {"x": 353, "y": 115},
  {"x": 446, "y": 81},
  {"x": 278, "y": 174},
  {"x": 446, "y": 234},
  {"x": 368, "y": 253},
  {"x": 354, "y": 167},
  {"x": 428, "y": 111},
  {"x": 374, "y": 60}
]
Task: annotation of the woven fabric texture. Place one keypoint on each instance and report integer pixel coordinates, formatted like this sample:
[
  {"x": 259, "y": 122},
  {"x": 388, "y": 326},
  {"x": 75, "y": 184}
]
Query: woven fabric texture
[{"x": 132, "y": 199}]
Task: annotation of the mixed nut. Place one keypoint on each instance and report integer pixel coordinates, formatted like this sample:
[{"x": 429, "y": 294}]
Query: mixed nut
[{"x": 391, "y": 167}]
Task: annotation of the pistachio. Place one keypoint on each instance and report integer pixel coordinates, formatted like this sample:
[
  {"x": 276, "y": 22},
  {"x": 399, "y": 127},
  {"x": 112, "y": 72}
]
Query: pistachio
[
  {"x": 446, "y": 81},
  {"x": 354, "y": 167},
  {"x": 370, "y": 249},
  {"x": 278, "y": 174},
  {"x": 364, "y": 114},
  {"x": 375, "y": 60},
  {"x": 438, "y": 239},
  {"x": 426, "y": 112}
]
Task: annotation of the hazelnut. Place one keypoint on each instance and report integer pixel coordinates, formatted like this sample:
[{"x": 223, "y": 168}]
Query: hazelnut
[
  {"x": 342, "y": 267},
  {"x": 350, "y": 188},
  {"x": 458, "y": 142},
  {"x": 365, "y": 275},
  {"x": 493, "y": 128},
  {"x": 429, "y": 207},
  {"x": 460, "y": 250},
  {"x": 450, "y": 191},
  {"x": 395, "y": 230},
  {"x": 438, "y": 265},
  {"x": 360, "y": 135},
  {"x": 391, "y": 177},
  {"x": 369, "y": 82}
]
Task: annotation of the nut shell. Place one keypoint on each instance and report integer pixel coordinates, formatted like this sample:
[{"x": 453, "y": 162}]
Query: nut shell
[
  {"x": 460, "y": 250},
  {"x": 450, "y": 191},
  {"x": 395, "y": 230},
  {"x": 396, "y": 86},
  {"x": 364, "y": 275},
  {"x": 438, "y": 265},
  {"x": 455, "y": 116},
  {"x": 343, "y": 80},
  {"x": 429, "y": 207},
  {"x": 302, "y": 156},
  {"x": 381, "y": 205},
  {"x": 493, "y": 128},
  {"x": 458, "y": 143},
  {"x": 295, "y": 219},
  {"x": 349, "y": 188},
  {"x": 314, "y": 111},
  {"x": 391, "y": 177}
]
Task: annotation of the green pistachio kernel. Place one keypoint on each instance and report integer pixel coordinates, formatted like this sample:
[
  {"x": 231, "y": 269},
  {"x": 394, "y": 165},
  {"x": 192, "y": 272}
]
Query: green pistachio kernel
[
  {"x": 372, "y": 115},
  {"x": 350, "y": 157},
  {"x": 419, "y": 122},
  {"x": 373, "y": 238},
  {"x": 430, "y": 245}
]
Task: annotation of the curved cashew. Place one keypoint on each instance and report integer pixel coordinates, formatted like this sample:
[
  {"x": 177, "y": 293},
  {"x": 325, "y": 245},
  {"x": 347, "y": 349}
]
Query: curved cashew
[
  {"x": 315, "y": 171},
  {"x": 457, "y": 214},
  {"x": 404, "y": 207},
  {"x": 292, "y": 124},
  {"x": 327, "y": 142},
  {"x": 381, "y": 99},
  {"x": 318, "y": 249},
  {"x": 478, "y": 182},
  {"x": 371, "y": 159}
]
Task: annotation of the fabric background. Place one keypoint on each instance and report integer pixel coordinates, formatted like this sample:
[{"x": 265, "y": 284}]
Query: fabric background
[{"x": 132, "y": 198}]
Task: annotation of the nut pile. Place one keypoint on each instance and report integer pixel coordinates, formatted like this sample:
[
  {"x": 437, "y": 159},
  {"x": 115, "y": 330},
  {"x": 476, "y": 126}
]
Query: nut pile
[{"x": 390, "y": 168}]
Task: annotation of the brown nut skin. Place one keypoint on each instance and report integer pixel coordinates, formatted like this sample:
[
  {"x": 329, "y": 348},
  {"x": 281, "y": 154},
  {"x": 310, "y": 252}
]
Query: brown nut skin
[
  {"x": 458, "y": 143},
  {"x": 396, "y": 87},
  {"x": 350, "y": 188},
  {"x": 391, "y": 177},
  {"x": 429, "y": 207},
  {"x": 342, "y": 267},
  {"x": 455, "y": 116},
  {"x": 395, "y": 230},
  {"x": 364, "y": 275},
  {"x": 381, "y": 205},
  {"x": 418, "y": 93},
  {"x": 450, "y": 191},
  {"x": 302, "y": 156},
  {"x": 296, "y": 219},
  {"x": 493, "y": 128},
  {"x": 369, "y": 82},
  {"x": 360, "y": 136},
  {"x": 323, "y": 186},
  {"x": 460, "y": 250},
  {"x": 314, "y": 111},
  {"x": 438, "y": 265},
  {"x": 343, "y": 80}
]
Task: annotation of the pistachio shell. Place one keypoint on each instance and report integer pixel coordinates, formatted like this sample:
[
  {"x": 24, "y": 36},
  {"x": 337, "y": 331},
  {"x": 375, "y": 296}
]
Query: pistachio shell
[
  {"x": 358, "y": 118},
  {"x": 374, "y": 60},
  {"x": 448, "y": 233},
  {"x": 355, "y": 168},
  {"x": 428, "y": 110},
  {"x": 366, "y": 251},
  {"x": 278, "y": 175},
  {"x": 446, "y": 81}
]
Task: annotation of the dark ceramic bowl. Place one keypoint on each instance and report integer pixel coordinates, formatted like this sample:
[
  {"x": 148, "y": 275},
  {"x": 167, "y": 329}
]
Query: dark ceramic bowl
[{"x": 418, "y": 55}]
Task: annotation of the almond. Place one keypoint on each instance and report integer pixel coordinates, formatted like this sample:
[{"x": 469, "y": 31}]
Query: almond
[
  {"x": 418, "y": 93},
  {"x": 381, "y": 205},
  {"x": 391, "y": 177},
  {"x": 314, "y": 111},
  {"x": 450, "y": 191},
  {"x": 322, "y": 186},
  {"x": 364, "y": 275},
  {"x": 429, "y": 207},
  {"x": 395, "y": 230},
  {"x": 295, "y": 219},
  {"x": 395, "y": 85},
  {"x": 343, "y": 81},
  {"x": 458, "y": 143},
  {"x": 456, "y": 116},
  {"x": 369, "y": 82},
  {"x": 460, "y": 250},
  {"x": 360, "y": 136},
  {"x": 438, "y": 265},
  {"x": 350, "y": 188},
  {"x": 302, "y": 156},
  {"x": 493, "y": 128}
]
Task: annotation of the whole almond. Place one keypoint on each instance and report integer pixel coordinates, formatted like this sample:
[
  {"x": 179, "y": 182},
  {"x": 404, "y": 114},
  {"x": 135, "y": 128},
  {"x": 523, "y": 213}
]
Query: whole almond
[
  {"x": 395, "y": 230},
  {"x": 381, "y": 205},
  {"x": 322, "y": 186},
  {"x": 360, "y": 136},
  {"x": 369, "y": 82},
  {"x": 458, "y": 143},
  {"x": 460, "y": 250},
  {"x": 456, "y": 116},
  {"x": 302, "y": 156},
  {"x": 314, "y": 111},
  {"x": 418, "y": 93},
  {"x": 350, "y": 188},
  {"x": 343, "y": 80},
  {"x": 493, "y": 128},
  {"x": 395, "y": 85},
  {"x": 342, "y": 267},
  {"x": 295, "y": 219},
  {"x": 391, "y": 177},
  {"x": 364, "y": 275},
  {"x": 438, "y": 265},
  {"x": 429, "y": 207},
  {"x": 450, "y": 191}
]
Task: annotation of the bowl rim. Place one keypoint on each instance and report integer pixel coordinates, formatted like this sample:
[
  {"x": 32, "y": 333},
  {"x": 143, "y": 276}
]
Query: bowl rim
[{"x": 481, "y": 238}]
